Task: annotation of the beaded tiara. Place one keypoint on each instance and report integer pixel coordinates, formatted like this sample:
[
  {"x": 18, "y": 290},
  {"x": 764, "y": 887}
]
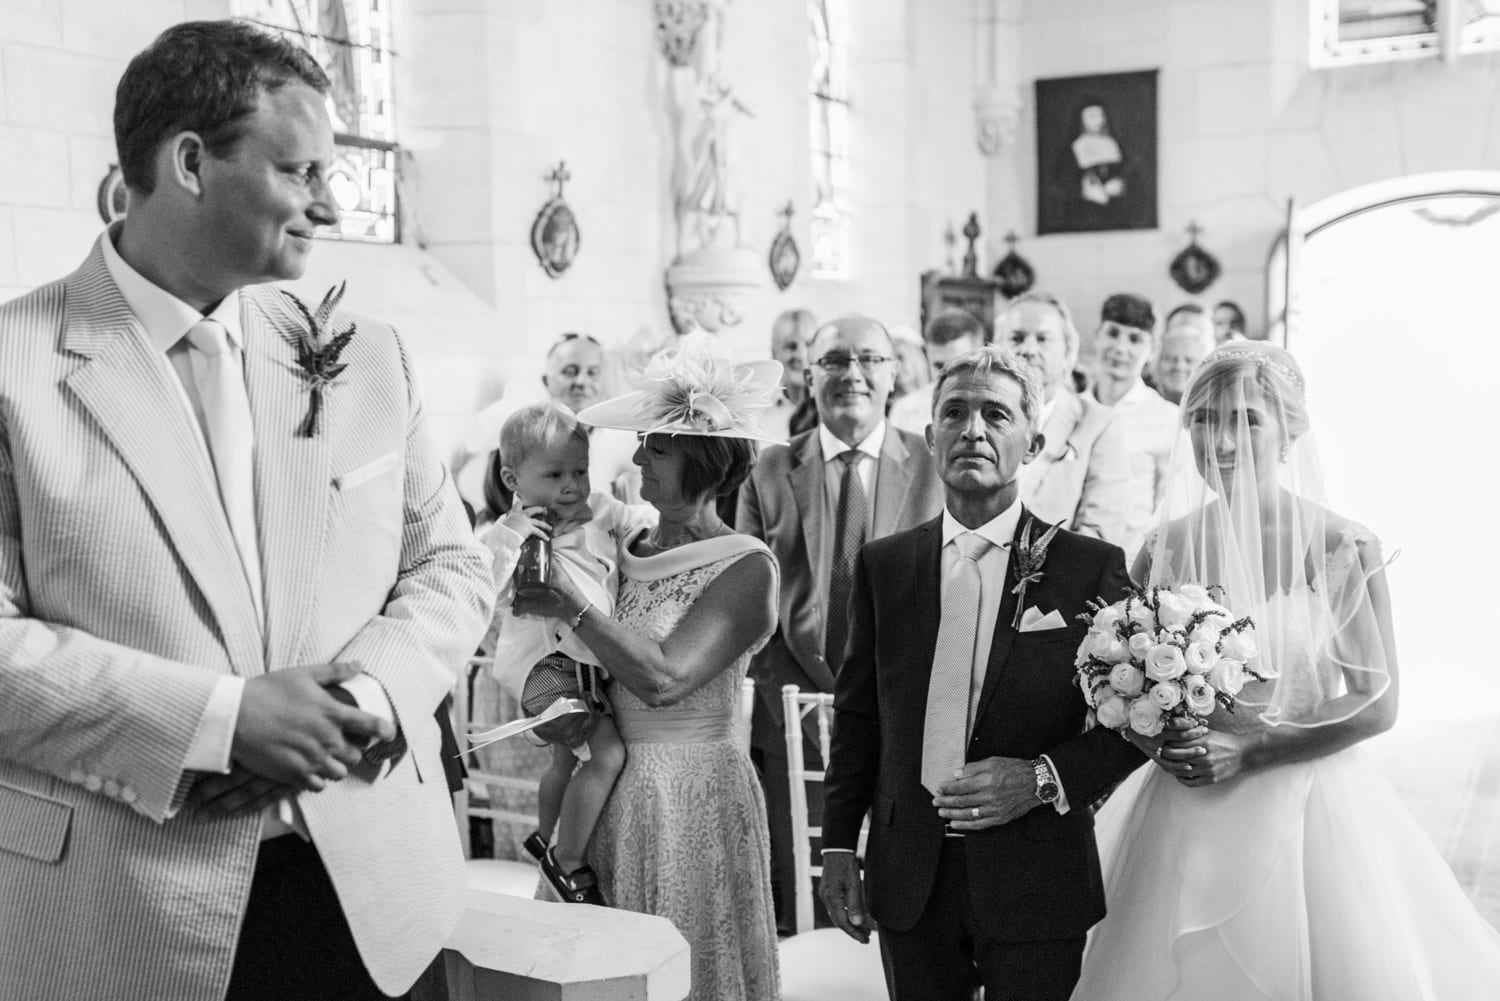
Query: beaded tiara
[{"x": 1263, "y": 355}]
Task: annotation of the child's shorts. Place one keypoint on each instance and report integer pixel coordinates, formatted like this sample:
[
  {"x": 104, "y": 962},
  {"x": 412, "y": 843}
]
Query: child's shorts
[{"x": 557, "y": 676}]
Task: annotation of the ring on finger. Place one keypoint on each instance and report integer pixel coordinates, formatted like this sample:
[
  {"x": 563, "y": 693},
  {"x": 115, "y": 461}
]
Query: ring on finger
[{"x": 976, "y": 813}]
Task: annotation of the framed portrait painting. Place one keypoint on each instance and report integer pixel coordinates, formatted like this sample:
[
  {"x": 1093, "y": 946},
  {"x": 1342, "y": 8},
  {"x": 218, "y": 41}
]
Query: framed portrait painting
[{"x": 1096, "y": 152}]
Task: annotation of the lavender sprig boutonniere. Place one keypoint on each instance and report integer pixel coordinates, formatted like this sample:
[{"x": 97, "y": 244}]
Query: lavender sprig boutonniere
[
  {"x": 1027, "y": 560},
  {"x": 318, "y": 351}
]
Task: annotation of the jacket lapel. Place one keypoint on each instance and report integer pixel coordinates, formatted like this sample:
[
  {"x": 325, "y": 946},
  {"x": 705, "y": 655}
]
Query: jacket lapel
[
  {"x": 291, "y": 473},
  {"x": 892, "y": 484},
  {"x": 806, "y": 479},
  {"x": 1004, "y": 635},
  {"x": 928, "y": 611},
  {"x": 134, "y": 396}
]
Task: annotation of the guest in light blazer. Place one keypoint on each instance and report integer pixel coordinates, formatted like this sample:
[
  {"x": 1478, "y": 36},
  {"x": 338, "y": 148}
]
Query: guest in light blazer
[
  {"x": 795, "y": 501},
  {"x": 1081, "y": 477},
  {"x": 230, "y": 597}
]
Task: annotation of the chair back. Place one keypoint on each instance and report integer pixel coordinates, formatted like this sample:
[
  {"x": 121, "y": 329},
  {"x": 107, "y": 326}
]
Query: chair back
[
  {"x": 477, "y": 797},
  {"x": 796, "y": 706},
  {"x": 743, "y": 713}
]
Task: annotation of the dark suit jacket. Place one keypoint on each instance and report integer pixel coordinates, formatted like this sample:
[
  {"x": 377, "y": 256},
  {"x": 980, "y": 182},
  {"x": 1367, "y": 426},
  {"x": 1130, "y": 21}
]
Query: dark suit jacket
[
  {"x": 781, "y": 503},
  {"x": 1032, "y": 879}
]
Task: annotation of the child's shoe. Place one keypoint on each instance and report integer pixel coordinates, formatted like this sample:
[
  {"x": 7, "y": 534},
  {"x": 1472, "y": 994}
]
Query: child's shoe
[{"x": 580, "y": 886}]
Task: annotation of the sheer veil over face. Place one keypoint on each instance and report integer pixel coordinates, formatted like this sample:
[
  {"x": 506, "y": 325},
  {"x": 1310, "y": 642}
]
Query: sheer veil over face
[{"x": 1245, "y": 510}]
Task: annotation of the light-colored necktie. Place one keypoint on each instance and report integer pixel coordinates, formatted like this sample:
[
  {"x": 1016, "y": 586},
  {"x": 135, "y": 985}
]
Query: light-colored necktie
[
  {"x": 945, "y": 731},
  {"x": 220, "y": 379}
]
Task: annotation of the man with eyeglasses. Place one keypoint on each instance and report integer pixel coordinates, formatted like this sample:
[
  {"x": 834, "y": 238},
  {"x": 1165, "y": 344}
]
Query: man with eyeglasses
[
  {"x": 815, "y": 501},
  {"x": 572, "y": 374},
  {"x": 1081, "y": 477}
]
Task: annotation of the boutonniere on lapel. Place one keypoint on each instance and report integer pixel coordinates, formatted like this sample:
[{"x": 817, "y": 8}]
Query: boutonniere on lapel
[
  {"x": 1026, "y": 560},
  {"x": 318, "y": 350}
]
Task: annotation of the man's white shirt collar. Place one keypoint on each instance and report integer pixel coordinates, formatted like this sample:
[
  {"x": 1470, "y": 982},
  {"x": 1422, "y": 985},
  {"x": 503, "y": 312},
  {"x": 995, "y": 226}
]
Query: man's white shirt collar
[
  {"x": 833, "y": 447},
  {"x": 165, "y": 317},
  {"x": 999, "y": 530}
]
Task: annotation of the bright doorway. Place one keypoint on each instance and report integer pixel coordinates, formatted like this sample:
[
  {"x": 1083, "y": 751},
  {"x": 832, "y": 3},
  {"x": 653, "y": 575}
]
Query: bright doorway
[{"x": 1395, "y": 318}]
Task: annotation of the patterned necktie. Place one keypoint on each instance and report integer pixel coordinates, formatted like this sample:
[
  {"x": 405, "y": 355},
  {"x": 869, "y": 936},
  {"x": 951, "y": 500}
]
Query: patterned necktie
[
  {"x": 220, "y": 379},
  {"x": 849, "y": 535},
  {"x": 945, "y": 730}
]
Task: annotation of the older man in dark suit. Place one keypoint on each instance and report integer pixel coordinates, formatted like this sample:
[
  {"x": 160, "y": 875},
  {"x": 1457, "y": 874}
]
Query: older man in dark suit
[
  {"x": 959, "y": 729},
  {"x": 815, "y": 502}
]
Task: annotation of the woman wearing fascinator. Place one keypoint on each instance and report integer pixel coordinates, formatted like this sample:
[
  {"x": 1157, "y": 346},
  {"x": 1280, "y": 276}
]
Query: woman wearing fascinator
[
  {"x": 1262, "y": 855},
  {"x": 684, "y": 834}
]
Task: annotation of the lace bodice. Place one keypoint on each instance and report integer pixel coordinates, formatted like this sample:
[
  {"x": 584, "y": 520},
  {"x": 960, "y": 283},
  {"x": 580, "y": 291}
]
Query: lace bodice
[
  {"x": 655, "y": 593},
  {"x": 1299, "y": 625}
]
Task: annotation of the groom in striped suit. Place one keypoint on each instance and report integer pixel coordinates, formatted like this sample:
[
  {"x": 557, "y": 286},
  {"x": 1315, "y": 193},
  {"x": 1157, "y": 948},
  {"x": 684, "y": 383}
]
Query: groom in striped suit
[{"x": 235, "y": 581}]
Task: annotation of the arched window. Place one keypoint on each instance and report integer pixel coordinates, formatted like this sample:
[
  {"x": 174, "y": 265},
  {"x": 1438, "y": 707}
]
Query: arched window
[
  {"x": 828, "y": 117},
  {"x": 351, "y": 41}
]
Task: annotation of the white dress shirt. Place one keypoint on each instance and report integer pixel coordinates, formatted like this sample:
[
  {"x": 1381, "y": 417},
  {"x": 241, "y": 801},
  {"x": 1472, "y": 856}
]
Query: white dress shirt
[
  {"x": 1153, "y": 427},
  {"x": 994, "y": 564}
]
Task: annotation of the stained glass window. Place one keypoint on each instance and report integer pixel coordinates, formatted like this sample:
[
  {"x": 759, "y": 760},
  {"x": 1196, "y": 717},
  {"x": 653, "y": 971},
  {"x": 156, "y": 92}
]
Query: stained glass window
[
  {"x": 351, "y": 41},
  {"x": 828, "y": 115}
]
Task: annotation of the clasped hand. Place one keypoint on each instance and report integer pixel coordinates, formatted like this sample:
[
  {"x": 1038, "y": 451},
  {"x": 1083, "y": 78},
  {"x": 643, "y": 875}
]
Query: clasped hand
[
  {"x": 987, "y": 793},
  {"x": 292, "y": 734},
  {"x": 1193, "y": 754}
]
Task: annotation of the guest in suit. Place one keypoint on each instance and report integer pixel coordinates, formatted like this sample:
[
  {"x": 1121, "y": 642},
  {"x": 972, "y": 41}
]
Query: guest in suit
[
  {"x": 1081, "y": 477},
  {"x": 959, "y": 729},
  {"x": 814, "y": 502},
  {"x": 224, "y": 626}
]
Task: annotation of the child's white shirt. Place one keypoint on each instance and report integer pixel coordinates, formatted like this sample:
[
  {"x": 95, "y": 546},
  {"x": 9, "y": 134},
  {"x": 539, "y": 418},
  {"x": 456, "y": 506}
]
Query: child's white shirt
[{"x": 589, "y": 554}]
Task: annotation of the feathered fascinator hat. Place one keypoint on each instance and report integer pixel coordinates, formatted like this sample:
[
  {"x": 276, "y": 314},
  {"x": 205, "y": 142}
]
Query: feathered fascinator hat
[{"x": 687, "y": 391}]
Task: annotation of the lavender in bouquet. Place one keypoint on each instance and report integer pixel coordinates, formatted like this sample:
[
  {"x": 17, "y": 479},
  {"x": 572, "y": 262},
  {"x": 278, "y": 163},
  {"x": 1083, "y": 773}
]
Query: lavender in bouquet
[{"x": 1163, "y": 654}]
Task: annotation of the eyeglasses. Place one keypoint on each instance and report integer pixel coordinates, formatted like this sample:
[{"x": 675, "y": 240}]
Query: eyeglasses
[{"x": 835, "y": 364}]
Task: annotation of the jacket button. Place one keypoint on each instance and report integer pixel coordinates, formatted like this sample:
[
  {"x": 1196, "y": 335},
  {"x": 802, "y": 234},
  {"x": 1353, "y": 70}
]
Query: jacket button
[
  {"x": 93, "y": 783},
  {"x": 128, "y": 794},
  {"x": 111, "y": 788}
]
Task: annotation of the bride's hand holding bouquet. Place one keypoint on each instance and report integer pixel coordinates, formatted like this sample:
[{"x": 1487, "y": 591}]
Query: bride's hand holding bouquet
[{"x": 1156, "y": 664}]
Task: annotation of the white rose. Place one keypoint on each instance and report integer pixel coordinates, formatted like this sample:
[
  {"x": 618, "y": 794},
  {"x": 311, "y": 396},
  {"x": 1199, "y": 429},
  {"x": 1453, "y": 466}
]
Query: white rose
[
  {"x": 1199, "y": 695},
  {"x": 1239, "y": 645},
  {"x": 1108, "y": 648},
  {"x": 1145, "y": 718},
  {"x": 1173, "y": 610},
  {"x": 1205, "y": 633},
  {"x": 1227, "y": 675},
  {"x": 1164, "y": 663},
  {"x": 1108, "y": 617},
  {"x": 1141, "y": 614},
  {"x": 1099, "y": 691},
  {"x": 1165, "y": 695},
  {"x": 1127, "y": 679},
  {"x": 1199, "y": 658},
  {"x": 1195, "y": 593},
  {"x": 1113, "y": 712},
  {"x": 1140, "y": 643}
]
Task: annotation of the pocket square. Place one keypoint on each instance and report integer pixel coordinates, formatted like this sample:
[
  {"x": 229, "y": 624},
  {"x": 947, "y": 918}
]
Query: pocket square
[
  {"x": 367, "y": 472},
  {"x": 1032, "y": 620}
]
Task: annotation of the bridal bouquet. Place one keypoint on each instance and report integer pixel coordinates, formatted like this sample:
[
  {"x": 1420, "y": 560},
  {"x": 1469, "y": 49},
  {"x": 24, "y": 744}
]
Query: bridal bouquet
[{"x": 1162, "y": 654}]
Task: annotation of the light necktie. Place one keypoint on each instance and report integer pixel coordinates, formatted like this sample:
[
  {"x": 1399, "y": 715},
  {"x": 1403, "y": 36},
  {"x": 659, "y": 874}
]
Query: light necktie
[
  {"x": 220, "y": 380},
  {"x": 849, "y": 535},
  {"x": 946, "y": 725}
]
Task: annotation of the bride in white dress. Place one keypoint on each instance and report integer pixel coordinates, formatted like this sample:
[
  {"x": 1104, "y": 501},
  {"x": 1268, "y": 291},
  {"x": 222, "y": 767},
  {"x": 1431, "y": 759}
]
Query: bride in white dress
[{"x": 1263, "y": 856}]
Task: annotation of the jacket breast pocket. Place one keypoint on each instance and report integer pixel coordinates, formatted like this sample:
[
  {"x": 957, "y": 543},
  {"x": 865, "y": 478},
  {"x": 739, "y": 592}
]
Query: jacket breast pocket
[{"x": 32, "y": 825}]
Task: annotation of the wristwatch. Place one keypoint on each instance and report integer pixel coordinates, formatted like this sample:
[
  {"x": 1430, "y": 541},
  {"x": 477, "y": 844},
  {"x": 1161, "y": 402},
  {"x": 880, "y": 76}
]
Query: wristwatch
[{"x": 1046, "y": 783}]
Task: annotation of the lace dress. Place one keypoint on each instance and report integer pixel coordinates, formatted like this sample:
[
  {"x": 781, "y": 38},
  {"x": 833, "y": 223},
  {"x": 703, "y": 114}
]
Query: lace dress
[
  {"x": 684, "y": 835},
  {"x": 1303, "y": 881}
]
